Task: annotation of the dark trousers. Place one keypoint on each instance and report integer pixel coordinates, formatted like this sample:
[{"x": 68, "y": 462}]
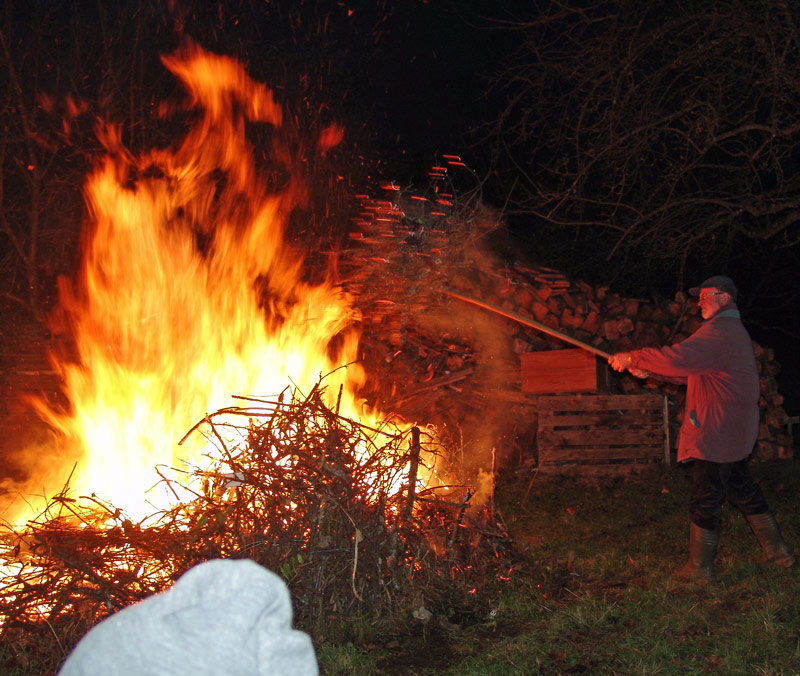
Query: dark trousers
[{"x": 713, "y": 481}]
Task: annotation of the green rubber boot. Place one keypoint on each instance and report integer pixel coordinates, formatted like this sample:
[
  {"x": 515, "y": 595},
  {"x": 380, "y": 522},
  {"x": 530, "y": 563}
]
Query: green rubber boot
[
  {"x": 702, "y": 552},
  {"x": 774, "y": 550}
]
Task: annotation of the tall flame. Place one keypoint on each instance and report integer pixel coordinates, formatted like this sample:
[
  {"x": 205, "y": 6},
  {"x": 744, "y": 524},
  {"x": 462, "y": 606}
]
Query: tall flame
[{"x": 169, "y": 316}]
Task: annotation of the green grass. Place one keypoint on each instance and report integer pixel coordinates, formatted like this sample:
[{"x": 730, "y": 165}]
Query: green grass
[
  {"x": 593, "y": 593},
  {"x": 589, "y": 592}
]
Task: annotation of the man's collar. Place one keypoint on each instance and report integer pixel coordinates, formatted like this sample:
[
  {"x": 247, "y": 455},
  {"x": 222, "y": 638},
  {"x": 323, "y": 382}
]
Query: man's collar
[{"x": 727, "y": 310}]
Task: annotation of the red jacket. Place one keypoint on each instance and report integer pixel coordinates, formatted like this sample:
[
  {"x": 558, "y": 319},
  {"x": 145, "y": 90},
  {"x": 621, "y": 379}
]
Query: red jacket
[{"x": 718, "y": 366}]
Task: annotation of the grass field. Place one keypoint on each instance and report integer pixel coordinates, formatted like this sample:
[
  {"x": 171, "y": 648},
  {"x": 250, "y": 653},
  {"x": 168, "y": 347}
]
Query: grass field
[
  {"x": 592, "y": 594},
  {"x": 585, "y": 589}
]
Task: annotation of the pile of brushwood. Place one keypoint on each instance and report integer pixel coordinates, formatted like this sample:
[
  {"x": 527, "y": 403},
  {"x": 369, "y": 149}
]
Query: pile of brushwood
[{"x": 350, "y": 516}]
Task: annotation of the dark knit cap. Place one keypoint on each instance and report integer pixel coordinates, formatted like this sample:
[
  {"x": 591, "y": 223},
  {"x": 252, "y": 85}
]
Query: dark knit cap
[{"x": 720, "y": 282}]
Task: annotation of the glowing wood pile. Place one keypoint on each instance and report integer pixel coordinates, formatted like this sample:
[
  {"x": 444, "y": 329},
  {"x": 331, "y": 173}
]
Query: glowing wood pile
[{"x": 353, "y": 518}]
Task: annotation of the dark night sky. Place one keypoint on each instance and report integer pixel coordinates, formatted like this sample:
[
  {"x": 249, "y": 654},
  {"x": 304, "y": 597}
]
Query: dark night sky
[{"x": 432, "y": 68}]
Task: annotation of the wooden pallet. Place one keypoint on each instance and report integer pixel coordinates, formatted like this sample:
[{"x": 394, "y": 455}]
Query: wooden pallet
[{"x": 602, "y": 433}]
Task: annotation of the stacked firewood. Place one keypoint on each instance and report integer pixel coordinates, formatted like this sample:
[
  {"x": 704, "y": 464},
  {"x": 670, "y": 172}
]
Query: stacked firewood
[
  {"x": 440, "y": 361},
  {"x": 612, "y": 323}
]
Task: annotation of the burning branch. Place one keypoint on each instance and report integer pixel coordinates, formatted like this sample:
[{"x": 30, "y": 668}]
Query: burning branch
[{"x": 292, "y": 485}]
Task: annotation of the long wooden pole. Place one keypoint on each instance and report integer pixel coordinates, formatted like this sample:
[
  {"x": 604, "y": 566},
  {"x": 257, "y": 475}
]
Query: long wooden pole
[{"x": 527, "y": 321}]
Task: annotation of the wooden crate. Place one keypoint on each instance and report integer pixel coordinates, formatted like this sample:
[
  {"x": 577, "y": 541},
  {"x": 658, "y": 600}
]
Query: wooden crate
[
  {"x": 556, "y": 371},
  {"x": 602, "y": 433}
]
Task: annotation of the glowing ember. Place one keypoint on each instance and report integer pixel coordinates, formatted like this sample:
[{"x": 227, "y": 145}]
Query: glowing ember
[{"x": 169, "y": 316}]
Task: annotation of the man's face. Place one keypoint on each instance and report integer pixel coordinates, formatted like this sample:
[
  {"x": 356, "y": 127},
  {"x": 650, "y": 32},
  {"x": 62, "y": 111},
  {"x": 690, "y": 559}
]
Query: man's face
[{"x": 711, "y": 300}]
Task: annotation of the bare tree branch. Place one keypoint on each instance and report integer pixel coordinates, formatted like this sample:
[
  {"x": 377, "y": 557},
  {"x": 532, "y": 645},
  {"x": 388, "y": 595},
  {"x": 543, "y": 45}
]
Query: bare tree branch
[{"x": 668, "y": 132}]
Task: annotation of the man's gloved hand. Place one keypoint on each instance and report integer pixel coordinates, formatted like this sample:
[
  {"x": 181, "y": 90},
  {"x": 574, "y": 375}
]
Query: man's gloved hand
[{"x": 620, "y": 361}]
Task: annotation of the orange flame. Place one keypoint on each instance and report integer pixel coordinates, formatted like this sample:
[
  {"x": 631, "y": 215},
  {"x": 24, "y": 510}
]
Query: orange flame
[{"x": 169, "y": 317}]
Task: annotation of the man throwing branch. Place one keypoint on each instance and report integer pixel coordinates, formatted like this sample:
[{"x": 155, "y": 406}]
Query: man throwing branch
[{"x": 719, "y": 430}]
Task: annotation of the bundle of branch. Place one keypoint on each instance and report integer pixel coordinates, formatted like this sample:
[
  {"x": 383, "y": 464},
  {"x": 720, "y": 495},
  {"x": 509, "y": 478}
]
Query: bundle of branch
[
  {"x": 77, "y": 562},
  {"x": 356, "y": 519}
]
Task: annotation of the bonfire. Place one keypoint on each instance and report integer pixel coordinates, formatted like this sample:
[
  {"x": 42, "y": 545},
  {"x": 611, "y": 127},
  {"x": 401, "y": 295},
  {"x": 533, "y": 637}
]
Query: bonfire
[{"x": 189, "y": 294}]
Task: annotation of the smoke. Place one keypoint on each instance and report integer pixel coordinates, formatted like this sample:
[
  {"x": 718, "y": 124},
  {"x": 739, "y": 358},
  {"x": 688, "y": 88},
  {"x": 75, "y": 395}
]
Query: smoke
[
  {"x": 25, "y": 492},
  {"x": 484, "y": 422},
  {"x": 484, "y": 491}
]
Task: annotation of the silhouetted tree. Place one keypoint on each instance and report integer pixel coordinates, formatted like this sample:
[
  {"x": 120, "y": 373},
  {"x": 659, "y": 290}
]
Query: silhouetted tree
[
  {"x": 651, "y": 137},
  {"x": 64, "y": 67}
]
